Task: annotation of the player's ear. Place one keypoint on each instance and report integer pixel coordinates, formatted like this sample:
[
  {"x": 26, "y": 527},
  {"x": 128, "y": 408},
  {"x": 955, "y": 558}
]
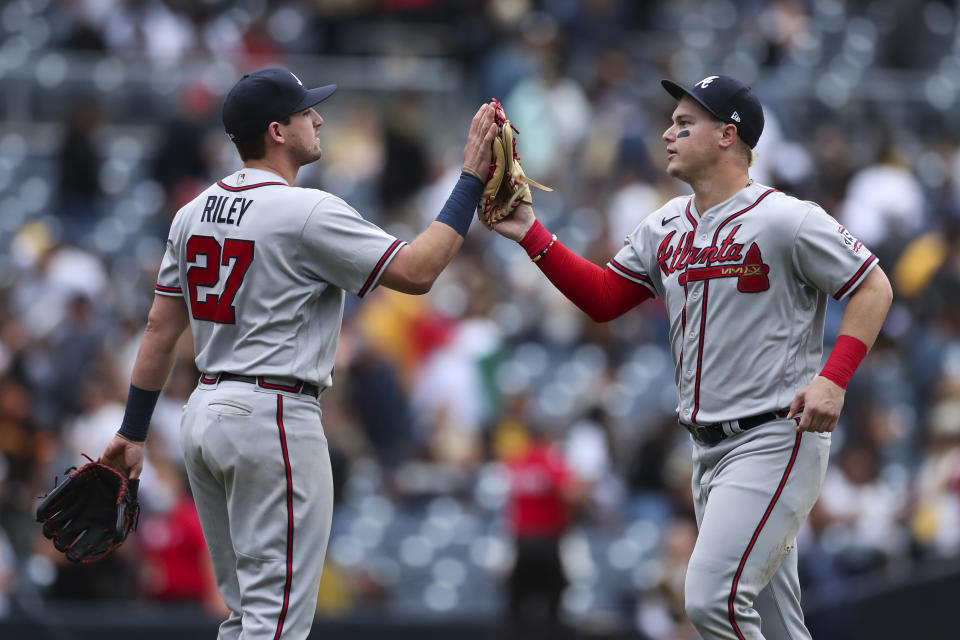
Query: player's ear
[
  {"x": 275, "y": 132},
  {"x": 728, "y": 135}
]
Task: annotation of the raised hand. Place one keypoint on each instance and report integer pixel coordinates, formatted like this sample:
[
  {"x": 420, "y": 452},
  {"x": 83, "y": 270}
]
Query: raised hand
[{"x": 477, "y": 151}]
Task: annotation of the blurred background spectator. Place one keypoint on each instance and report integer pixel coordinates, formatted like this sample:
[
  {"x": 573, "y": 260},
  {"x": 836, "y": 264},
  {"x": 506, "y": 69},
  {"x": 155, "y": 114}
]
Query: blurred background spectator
[
  {"x": 78, "y": 166},
  {"x": 544, "y": 492},
  {"x": 110, "y": 121}
]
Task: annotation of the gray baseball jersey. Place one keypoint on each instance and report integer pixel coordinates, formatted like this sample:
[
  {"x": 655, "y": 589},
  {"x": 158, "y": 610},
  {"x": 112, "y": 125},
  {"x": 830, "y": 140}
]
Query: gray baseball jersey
[
  {"x": 263, "y": 267},
  {"x": 745, "y": 286}
]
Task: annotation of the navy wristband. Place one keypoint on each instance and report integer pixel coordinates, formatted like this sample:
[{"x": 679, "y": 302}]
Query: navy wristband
[
  {"x": 136, "y": 419},
  {"x": 457, "y": 211}
]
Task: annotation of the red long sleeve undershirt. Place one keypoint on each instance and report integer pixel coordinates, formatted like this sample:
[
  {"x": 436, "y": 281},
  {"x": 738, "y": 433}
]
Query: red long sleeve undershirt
[{"x": 600, "y": 293}]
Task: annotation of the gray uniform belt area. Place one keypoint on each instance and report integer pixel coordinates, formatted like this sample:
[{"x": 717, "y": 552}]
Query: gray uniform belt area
[
  {"x": 717, "y": 432},
  {"x": 274, "y": 384}
]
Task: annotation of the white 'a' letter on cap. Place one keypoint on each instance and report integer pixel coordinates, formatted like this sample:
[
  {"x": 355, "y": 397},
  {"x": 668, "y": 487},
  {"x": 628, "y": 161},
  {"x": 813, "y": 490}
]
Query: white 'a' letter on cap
[{"x": 706, "y": 81}]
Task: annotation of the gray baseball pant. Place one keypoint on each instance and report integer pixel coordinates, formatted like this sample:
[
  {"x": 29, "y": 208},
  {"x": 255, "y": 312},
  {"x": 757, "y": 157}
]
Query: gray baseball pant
[
  {"x": 752, "y": 492},
  {"x": 259, "y": 469}
]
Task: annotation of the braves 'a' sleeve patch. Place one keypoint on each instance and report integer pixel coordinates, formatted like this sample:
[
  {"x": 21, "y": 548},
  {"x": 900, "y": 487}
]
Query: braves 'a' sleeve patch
[
  {"x": 848, "y": 241},
  {"x": 829, "y": 257}
]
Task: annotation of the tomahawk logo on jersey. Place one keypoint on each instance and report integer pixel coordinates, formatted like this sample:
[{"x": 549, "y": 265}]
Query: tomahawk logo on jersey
[{"x": 685, "y": 257}]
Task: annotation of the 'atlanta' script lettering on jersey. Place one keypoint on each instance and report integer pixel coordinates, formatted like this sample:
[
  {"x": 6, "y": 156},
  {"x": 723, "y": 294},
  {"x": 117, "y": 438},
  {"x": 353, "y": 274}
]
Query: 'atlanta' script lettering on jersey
[
  {"x": 678, "y": 256},
  {"x": 215, "y": 209}
]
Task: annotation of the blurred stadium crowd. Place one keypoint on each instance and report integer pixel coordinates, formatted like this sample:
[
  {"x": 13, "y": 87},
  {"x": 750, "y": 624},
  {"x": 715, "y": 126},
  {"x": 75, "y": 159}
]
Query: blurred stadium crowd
[{"x": 111, "y": 122}]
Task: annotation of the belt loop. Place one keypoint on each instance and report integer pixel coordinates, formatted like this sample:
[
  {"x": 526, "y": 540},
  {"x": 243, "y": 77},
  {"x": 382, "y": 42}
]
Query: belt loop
[{"x": 211, "y": 380}]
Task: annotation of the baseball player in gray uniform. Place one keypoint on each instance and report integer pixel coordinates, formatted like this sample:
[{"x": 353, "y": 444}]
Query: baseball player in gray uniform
[
  {"x": 258, "y": 269},
  {"x": 744, "y": 272}
]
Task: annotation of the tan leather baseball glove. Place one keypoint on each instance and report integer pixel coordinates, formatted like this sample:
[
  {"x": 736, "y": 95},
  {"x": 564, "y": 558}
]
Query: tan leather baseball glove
[{"x": 507, "y": 186}]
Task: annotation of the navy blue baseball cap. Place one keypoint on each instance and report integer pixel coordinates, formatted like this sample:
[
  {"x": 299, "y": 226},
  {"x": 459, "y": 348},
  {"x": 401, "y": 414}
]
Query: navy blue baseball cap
[
  {"x": 265, "y": 96},
  {"x": 728, "y": 100}
]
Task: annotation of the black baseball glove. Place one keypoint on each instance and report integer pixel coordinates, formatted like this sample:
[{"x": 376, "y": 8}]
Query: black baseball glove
[{"x": 90, "y": 513}]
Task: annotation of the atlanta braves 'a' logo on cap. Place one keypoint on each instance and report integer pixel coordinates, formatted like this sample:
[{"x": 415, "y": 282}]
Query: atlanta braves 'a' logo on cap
[
  {"x": 728, "y": 100},
  {"x": 264, "y": 96},
  {"x": 703, "y": 84}
]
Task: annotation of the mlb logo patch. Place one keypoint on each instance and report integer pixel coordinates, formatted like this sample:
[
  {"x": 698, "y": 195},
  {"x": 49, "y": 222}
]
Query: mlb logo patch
[{"x": 849, "y": 241}]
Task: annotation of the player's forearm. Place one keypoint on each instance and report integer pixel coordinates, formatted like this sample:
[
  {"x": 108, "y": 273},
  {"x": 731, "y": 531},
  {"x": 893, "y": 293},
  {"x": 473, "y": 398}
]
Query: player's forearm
[
  {"x": 859, "y": 327},
  {"x": 168, "y": 319},
  {"x": 417, "y": 265},
  {"x": 426, "y": 257},
  {"x": 867, "y": 308},
  {"x": 599, "y": 293},
  {"x": 153, "y": 364}
]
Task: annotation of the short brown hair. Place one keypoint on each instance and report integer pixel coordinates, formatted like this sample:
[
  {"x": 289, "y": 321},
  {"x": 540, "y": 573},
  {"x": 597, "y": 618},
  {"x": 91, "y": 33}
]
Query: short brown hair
[
  {"x": 745, "y": 150},
  {"x": 255, "y": 147}
]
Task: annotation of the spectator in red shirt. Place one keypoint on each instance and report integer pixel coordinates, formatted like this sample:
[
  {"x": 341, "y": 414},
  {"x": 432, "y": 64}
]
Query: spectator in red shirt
[
  {"x": 176, "y": 564},
  {"x": 543, "y": 492}
]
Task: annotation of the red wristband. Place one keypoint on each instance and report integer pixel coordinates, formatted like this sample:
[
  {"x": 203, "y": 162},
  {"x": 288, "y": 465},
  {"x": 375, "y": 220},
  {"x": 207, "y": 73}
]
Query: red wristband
[
  {"x": 846, "y": 356},
  {"x": 536, "y": 239}
]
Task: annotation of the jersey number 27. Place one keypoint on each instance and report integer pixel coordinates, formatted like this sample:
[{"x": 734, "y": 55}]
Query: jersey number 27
[{"x": 213, "y": 307}]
